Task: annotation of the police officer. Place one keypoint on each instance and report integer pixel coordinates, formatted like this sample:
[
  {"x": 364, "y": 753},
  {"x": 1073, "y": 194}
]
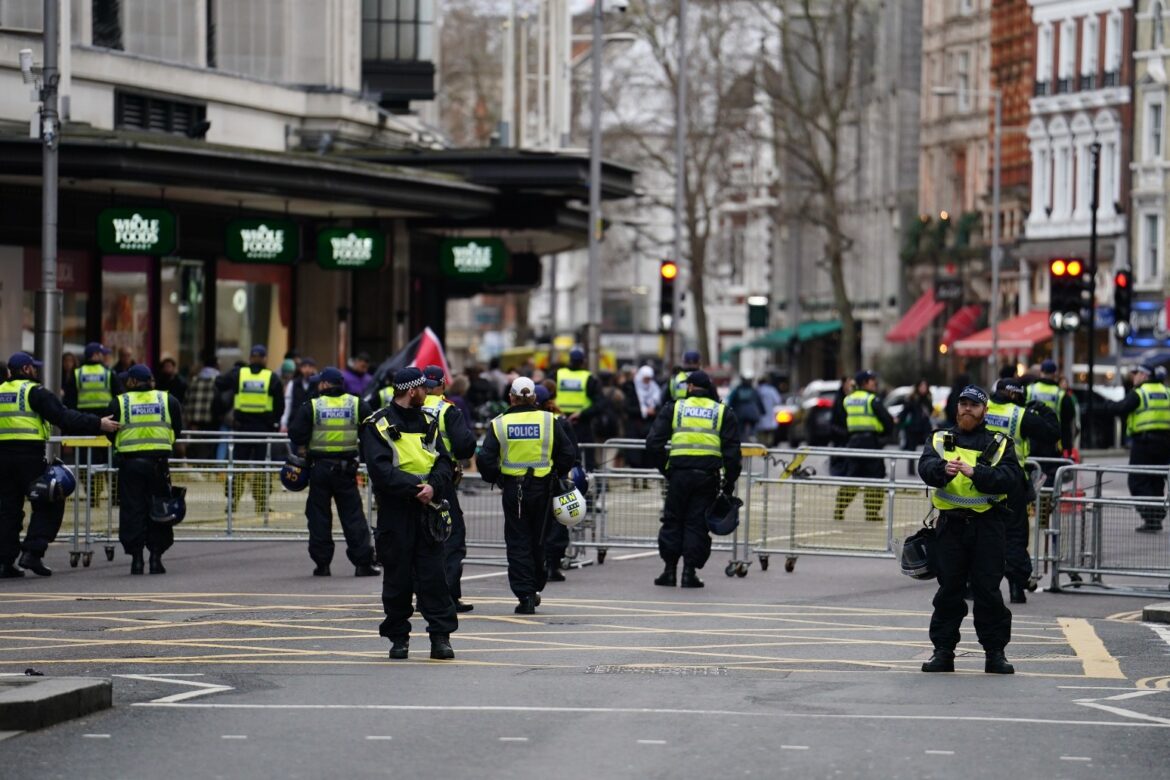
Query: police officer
[
  {"x": 459, "y": 441},
  {"x": 257, "y": 401},
  {"x": 524, "y": 452},
  {"x": 1148, "y": 408},
  {"x": 556, "y": 539},
  {"x": 151, "y": 421},
  {"x": 704, "y": 440},
  {"x": 409, "y": 468},
  {"x": 1046, "y": 390},
  {"x": 579, "y": 396},
  {"x": 325, "y": 430},
  {"x": 691, "y": 361},
  {"x": 866, "y": 420},
  {"x": 90, "y": 389},
  {"x": 385, "y": 395},
  {"x": 27, "y": 411},
  {"x": 972, "y": 471},
  {"x": 1028, "y": 424}
]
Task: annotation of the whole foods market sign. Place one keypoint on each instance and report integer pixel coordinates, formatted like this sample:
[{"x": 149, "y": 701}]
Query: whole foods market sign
[
  {"x": 474, "y": 259},
  {"x": 350, "y": 249},
  {"x": 274, "y": 241},
  {"x": 123, "y": 231}
]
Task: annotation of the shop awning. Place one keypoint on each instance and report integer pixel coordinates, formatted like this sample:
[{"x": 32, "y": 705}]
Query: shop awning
[
  {"x": 917, "y": 317},
  {"x": 962, "y": 323},
  {"x": 780, "y": 338},
  {"x": 1019, "y": 334}
]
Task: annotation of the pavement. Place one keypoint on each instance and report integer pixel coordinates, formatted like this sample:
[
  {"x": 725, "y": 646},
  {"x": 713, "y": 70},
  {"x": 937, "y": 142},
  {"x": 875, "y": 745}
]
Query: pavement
[{"x": 238, "y": 663}]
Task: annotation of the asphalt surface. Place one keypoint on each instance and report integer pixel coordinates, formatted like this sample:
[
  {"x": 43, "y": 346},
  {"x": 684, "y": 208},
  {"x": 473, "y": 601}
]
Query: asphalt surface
[{"x": 237, "y": 663}]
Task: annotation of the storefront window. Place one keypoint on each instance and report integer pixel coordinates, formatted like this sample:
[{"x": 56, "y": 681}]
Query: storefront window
[
  {"x": 253, "y": 305},
  {"x": 73, "y": 281},
  {"x": 126, "y": 310},
  {"x": 181, "y": 314}
]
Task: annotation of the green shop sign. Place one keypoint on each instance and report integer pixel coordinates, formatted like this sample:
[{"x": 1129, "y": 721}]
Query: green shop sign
[
  {"x": 275, "y": 241},
  {"x": 350, "y": 249},
  {"x": 136, "y": 232},
  {"x": 474, "y": 259}
]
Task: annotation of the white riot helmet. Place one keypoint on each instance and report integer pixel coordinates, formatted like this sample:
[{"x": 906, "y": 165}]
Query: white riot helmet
[{"x": 568, "y": 505}]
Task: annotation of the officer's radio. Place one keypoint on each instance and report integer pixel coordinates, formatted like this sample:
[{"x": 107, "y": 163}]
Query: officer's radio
[{"x": 949, "y": 442}]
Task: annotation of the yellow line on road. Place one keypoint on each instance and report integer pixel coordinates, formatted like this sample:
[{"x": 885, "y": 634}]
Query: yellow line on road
[{"x": 1095, "y": 658}]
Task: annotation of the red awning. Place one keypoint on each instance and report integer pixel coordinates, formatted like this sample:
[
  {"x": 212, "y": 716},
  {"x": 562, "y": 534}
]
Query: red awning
[
  {"x": 916, "y": 318},
  {"x": 1019, "y": 334},
  {"x": 962, "y": 323}
]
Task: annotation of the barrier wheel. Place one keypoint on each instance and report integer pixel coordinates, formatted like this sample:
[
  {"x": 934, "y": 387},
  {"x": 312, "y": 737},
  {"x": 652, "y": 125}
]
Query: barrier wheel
[
  {"x": 74, "y": 558},
  {"x": 86, "y": 559},
  {"x": 1074, "y": 576},
  {"x": 763, "y": 562},
  {"x": 789, "y": 564},
  {"x": 109, "y": 553},
  {"x": 730, "y": 570},
  {"x": 741, "y": 569},
  {"x": 601, "y": 551},
  {"x": 1032, "y": 585}
]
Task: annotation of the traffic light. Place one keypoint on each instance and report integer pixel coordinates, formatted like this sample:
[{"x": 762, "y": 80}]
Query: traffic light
[
  {"x": 1066, "y": 285},
  {"x": 1122, "y": 302},
  {"x": 667, "y": 273},
  {"x": 757, "y": 311}
]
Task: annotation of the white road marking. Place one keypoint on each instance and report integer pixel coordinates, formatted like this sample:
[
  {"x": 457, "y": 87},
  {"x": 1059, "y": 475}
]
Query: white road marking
[
  {"x": 484, "y": 576},
  {"x": 1075, "y": 758},
  {"x": 1098, "y": 705},
  {"x": 794, "y": 747},
  {"x": 513, "y": 739},
  {"x": 1161, "y": 629},
  {"x": 234, "y": 736},
  {"x": 1093, "y": 688},
  {"x": 202, "y": 689},
  {"x": 376, "y": 737},
  {"x": 940, "y": 752},
  {"x": 652, "y": 742},
  {"x": 632, "y": 556},
  {"x": 96, "y": 736}
]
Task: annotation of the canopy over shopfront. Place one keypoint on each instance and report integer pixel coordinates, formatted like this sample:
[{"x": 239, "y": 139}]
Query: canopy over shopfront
[
  {"x": 1016, "y": 335},
  {"x": 924, "y": 311},
  {"x": 782, "y": 337}
]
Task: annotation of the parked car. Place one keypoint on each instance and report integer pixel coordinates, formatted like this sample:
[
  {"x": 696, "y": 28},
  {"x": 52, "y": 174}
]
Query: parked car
[
  {"x": 816, "y": 402},
  {"x": 895, "y": 401}
]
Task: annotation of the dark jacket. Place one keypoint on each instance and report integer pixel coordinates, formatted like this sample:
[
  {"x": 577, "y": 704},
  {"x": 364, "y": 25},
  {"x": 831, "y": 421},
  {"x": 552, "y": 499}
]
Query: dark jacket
[
  {"x": 1040, "y": 427},
  {"x": 389, "y": 481},
  {"x": 228, "y": 383},
  {"x": 174, "y": 409},
  {"x": 175, "y": 386},
  {"x": 69, "y": 384},
  {"x": 563, "y": 455},
  {"x": 730, "y": 460},
  {"x": 1003, "y": 478},
  {"x": 300, "y": 427},
  {"x": 49, "y": 406}
]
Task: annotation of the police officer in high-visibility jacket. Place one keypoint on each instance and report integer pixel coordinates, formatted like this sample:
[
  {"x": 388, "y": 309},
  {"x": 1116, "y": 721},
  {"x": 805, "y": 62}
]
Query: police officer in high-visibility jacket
[
  {"x": 691, "y": 362},
  {"x": 579, "y": 396},
  {"x": 460, "y": 442},
  {"x": 1028, "y": 424},
  {"x": 866, "y": 420},
  {"x": 27, "y": 411},
  {"x": 971, "y": 471},
  {"x": 704, "y": 458},
  {"x": 91, "y": 388},
  {"x": 409, "y": 468},
  {"x": 1148, "y": 408},
  {"x": 524, "y": 452},
  {"x": 325, "y": 431},
  {"x": 1046, "y": 391},
  {"x": 257, "y": 402},
  {"x": 151, "y": 421}
]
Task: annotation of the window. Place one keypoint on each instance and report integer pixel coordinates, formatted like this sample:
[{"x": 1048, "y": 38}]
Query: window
[
  {"x": 107, "y": 24},
  {"x": 1150, "y": 262},
  {"x": 1112, "y": 51},
  {"x": 1044, "y": 59},
  {"x": 21, "y": 14},
  {"x": 1089, "y": 53},
  {"x": 963, "y": 78},
  {"x": 966, "y": 7},
  {"x": 398, "y": 29},
  {"x": 250, "y": 38},
  {"x": 1068, "y": 55},
  {"x": 1154, "y": 119},
  {"x": 160, "y": 115},
  {"x": 1159, "y": 31}
]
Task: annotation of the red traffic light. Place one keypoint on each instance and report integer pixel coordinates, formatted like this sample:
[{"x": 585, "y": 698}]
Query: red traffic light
[
  {"x": 1121, "y": 279},
  {"x": 1058, "y": 268},
  {"x": 669, "y": 270}
]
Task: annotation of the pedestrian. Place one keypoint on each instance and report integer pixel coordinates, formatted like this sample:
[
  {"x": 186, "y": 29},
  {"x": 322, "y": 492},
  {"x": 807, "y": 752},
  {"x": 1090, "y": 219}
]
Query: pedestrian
[
  {"x": 691, "y": 362},
  {"x": 200, "y": 413},
  {"x": 358, "y": 379},
  {"x": 524, "y": 452},
  {"x": 1028, "y": 424},
  {"x": 497, "y": 378},
  {"x": 409, "y": 468},
  {"x": 170, "y": 381},
  {"x": 1148, "y": 408},
  {"x": 642, "y": 400},
  {"x": 125, "y": 360},
  {"x": 325, "y": 432},
  {"x": 459, "y": 441},
  {"x": 704, "y": 459},
  {"x": 151, "y": 420},
  {"x": 69, "y": 364},
  {"x": 971, "y": 471},
  {"x": 867, "y": 421},
  {"x": 915, "y": 419},
  {"x": 457, "y": 394},
  {"x": 556, "y": 539},
  {"x": 580, "y": 397},
  {"x": 27, "y": 410},
  {"x": 299, "y": 391},
  {"x": 768, "y": 428},
  {"x": 254, "y": 394},
  {"x": 90, "y": 389},
  {"x": 745, "y": 402},
  {"x": 838, "y": 429}
]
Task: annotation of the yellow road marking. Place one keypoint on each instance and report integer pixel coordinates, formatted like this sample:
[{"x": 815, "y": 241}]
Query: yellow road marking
[
  {"x": 1154, "y": 683},
  {"x": 1095, "y": 658}
]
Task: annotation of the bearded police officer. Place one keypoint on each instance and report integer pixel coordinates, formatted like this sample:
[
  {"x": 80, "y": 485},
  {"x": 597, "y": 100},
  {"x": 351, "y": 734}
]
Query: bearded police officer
[
  {"x": 579, "y": 396},
  {"x": 1148, "y": 408},
  {"x": 151, "y": 421},
  {"x": 1028, "y": 424},
  {"x": 90, "y": 389},
  {"x": 691, "y": 361},
  {"x": 866, "y": 420},
  {"x": 972, "y": 471},
  {"x": 410, "y": 468},
  {"x": 704, "y": 458},
  {"x": 325, "y": 430},
  {"x": 524, "y": 452},
  {"x": 257, "y": 403},
  {"x": 459, "y": 440},
  {"x": 27, "y": 411}
]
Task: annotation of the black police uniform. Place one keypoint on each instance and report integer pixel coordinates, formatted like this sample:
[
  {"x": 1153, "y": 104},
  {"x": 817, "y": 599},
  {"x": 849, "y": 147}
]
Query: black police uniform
[
  {"x": 23, "y": 462},
  {"x": 556, "y": 539},
  {"x": 970, "y": 546},
  {"x": 1150, "y": 448},
  {"x": 1066, "y": 415},
  {"x": 412, "y": 559},
  {"x": 141, "y": 476},
  {"x": 332, "y": 477},
  {"x": 527, "y": 504},
  {"x": 252, "y": 422},
  {"x": 463, "y": 446},
  {"x": 693, "y": 483}
]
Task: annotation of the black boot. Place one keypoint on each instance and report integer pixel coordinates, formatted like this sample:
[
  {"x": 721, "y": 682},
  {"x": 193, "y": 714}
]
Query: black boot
[
  {"x": 136, "y": 564},
  {"x": 399, "y": 647},
  {"x": 690, "y": 579},
  {"x": 10, "y": 571},
  {"x": 941, "y": 661},
  {"x": 33, "y": 563},
  {"x": 997, "y": 663},
  {"x": 441, "y": 647},
  {"x": 669, "y": 576},
  {"x": 156, "y": 566},
  {"x": 463, "y": 606},
  {"x": 1016, "y": 593},
  {"x": 554, "y": 573},
  {"x": 365, "y": 570},
  {"x": 322, "y": 570},
  {"x": 1149, "y": 528},
  {"x": 527, "y": 606}
]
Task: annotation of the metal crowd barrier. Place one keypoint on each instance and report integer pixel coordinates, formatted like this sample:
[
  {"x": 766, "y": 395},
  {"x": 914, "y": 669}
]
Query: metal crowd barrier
[{"x": 1093, "y": 532}]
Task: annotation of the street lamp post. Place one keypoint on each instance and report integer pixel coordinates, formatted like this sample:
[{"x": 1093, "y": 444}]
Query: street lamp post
[
  {"x": 48, "y": 299},
  {"x": 593, "y": 328}
]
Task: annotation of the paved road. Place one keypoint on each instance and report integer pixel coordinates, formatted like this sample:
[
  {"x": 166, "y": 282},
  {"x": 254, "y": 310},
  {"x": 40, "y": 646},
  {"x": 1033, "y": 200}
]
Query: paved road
[{"x": 239, "y": 664}]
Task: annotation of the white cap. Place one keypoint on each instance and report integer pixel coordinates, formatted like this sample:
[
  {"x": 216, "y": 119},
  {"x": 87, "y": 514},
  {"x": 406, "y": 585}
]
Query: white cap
[{"x": 523, "y": 386}]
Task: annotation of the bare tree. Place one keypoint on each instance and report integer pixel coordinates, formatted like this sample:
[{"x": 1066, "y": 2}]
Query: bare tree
[{"x": 469, "y": 88}]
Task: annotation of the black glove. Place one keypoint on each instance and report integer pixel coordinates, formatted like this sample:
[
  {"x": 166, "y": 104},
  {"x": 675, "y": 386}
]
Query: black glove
[{"x": 728, "y": 487}]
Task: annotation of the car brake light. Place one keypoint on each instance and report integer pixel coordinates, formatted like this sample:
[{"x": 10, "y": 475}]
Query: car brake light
[
  {"x": 783, "y": 417},
  {"x": 824, "y": 403}
]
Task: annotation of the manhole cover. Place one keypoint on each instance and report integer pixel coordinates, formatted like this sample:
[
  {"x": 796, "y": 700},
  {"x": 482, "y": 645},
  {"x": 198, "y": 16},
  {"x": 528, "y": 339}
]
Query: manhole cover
[{"x": 674, "y": 671}]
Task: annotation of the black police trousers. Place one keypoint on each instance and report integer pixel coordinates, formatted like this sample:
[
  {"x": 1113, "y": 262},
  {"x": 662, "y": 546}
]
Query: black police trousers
[
  {"x": 141, "y": 478},
  {"x": 455, "y": 548},
  {"x": 335, "y": 480},
  {"x": 684, "y": 534},
  {"x": 970, "y": 548},
  {"x": 556, "y": 542},
  {"x": 1018, "y": 564},
  {"x": 412, "y": 563},
  {"x": 526, "y": 516},
  {"x": 17, "y": 473},
  {"x": 1149, "y": 449}
]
